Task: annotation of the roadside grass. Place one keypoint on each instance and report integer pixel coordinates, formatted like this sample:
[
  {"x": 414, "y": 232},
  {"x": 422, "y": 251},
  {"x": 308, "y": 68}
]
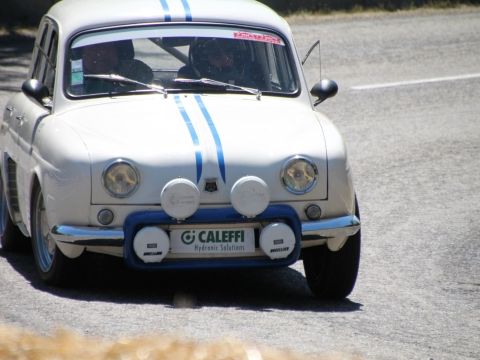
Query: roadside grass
[
  {"x": 359, "y": 11},
  {"x": 382, "y": 6}
]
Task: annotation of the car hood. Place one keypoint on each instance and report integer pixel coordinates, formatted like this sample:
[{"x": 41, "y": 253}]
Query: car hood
[{"x": 200, "y": 137}]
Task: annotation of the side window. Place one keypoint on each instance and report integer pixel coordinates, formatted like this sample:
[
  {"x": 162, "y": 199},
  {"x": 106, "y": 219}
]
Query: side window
[
  {"x": 45, "y": 55},
  {"x": 51, "y": 62},
  {"x": 39, "y": 54}
]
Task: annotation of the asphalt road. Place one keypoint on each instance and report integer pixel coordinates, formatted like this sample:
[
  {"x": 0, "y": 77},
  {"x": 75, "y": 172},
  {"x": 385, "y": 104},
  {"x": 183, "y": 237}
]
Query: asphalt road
[{"x": 408, "y": 107}]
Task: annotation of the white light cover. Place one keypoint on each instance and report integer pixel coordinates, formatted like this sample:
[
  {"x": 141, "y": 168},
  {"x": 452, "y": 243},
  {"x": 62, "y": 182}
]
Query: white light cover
[
  {"x": 180, "y": 198},
  {"x": 250, "y": 196},
  {"x": 277, "y": 240},
  {"x": 151, "y": 244}
]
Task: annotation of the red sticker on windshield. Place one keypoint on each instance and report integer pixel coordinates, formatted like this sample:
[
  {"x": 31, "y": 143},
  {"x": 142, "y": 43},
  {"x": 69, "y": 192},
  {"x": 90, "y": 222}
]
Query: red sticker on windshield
[{"x": 243, "y": 35}]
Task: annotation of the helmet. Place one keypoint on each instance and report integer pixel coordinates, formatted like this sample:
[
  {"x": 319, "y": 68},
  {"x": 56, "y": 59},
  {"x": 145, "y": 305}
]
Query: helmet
[{"x": 219, "y": 59}]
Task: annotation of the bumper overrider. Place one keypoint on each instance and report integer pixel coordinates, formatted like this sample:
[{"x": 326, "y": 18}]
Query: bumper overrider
[{"x": 145, "y": 237}]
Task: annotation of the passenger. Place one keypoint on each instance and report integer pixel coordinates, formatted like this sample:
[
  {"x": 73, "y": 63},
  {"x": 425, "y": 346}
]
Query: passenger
[{"x": 112, "y": 58}]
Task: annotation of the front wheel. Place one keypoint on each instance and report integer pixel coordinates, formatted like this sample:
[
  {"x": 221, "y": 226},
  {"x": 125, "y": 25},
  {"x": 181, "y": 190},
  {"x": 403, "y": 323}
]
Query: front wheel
[
  {"x": 331, "y": 275},
  {"x": 53, "y": 267}
]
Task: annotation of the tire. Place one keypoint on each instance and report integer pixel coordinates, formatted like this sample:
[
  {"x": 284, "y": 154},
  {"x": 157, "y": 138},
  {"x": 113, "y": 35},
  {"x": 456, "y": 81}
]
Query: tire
[
  {"x": 331, "y": 275},
  {"x": 11, "y": 238},
  {"x": 53, "y": 267}
]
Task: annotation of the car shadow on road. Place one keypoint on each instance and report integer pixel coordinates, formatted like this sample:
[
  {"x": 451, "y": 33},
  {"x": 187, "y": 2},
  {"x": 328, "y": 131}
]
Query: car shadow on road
[
  {"x": 15, "y": 51},
  {"x": 106, "y": 279}
]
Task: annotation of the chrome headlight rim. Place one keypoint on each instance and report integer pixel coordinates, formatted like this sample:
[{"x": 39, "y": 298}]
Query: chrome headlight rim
[
  {"x": 291, "y": 161},
  {"x": 109, "y": 167}
]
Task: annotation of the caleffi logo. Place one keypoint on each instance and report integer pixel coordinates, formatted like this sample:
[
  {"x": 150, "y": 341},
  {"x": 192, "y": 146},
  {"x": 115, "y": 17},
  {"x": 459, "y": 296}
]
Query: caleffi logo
[{"x": 188, "y": 237}]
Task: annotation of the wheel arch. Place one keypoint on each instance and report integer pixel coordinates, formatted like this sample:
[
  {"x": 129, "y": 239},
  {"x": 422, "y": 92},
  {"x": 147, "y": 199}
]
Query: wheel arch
[{"x": 69, "y": 250}]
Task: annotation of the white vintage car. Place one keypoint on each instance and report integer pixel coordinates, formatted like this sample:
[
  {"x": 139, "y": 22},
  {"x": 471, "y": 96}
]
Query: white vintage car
[{"x": 177, "y": 134}]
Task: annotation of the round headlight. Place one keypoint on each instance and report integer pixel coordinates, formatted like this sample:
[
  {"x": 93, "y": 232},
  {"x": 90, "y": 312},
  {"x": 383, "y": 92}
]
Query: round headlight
[
  {"x": 120, "y": 179},
  {"x": 299, "y": 175}
]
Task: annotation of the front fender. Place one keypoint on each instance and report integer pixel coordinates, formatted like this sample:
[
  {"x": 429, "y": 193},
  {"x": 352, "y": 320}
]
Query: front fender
[
  {"x": 341, "y": 194},
  {"x": 62, "y": 170}
]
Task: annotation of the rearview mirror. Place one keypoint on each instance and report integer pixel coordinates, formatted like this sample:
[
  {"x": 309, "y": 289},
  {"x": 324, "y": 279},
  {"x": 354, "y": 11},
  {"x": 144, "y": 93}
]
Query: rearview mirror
[
  {"x": 323, "y": 90},
  {"x": 36, "y": 90}
]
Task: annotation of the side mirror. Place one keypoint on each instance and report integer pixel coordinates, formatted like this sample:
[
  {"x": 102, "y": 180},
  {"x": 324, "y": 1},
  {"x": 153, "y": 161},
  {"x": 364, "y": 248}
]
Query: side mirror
[
  {"x": 36, "y": 90},
  {"x": 323, "y": 90}
]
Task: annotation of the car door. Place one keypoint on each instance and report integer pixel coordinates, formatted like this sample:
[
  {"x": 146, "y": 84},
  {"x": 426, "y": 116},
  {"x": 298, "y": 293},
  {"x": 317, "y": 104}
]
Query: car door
[{"x": 33, "y": 112}]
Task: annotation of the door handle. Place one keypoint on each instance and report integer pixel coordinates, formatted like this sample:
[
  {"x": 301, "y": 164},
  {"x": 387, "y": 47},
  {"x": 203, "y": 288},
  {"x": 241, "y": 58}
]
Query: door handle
[{"x": 20, "y": 117}]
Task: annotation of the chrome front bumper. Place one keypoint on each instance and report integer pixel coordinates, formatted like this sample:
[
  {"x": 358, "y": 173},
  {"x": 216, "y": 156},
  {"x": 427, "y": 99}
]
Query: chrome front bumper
[
  {"x": 339, "y": 227},
  {"x": 343, "y": 226}
]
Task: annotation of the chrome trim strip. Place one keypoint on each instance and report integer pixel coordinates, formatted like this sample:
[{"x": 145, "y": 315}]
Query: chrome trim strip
[
  {"x": 86, "y": 235},
  {"x": 330, "y": 228}
]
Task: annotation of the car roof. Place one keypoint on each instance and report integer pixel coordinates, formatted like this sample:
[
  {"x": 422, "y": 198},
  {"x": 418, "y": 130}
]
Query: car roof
[{"x": 77, "y": 15}]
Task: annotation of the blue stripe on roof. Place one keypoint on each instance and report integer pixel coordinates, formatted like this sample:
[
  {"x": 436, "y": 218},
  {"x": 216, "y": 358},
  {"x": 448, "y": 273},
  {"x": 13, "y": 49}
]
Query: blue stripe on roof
[
  {"x": 216, "y": 137},
  {"x": 188, "y": 13},
  {"x": 193, "y": 135},
  {"x": 166, "y": 10}
]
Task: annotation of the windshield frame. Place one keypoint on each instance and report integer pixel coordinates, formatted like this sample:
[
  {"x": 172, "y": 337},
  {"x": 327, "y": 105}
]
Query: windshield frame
[{"x": 289, "y": 52}]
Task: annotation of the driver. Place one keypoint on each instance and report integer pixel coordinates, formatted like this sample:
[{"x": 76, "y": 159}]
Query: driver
[{"x": 100, "y": 58}]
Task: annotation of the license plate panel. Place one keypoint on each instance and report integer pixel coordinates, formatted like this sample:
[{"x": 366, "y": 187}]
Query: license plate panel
[{"x": 228, "y": 240}]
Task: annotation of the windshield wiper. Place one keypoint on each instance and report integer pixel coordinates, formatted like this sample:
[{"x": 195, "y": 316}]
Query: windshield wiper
[
  {"x": 212, "y": 82},
  {"x": 123, "y": 79}
]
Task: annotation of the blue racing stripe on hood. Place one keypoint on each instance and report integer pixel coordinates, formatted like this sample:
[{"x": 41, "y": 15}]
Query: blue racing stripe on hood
[
  {"x": 216, "y": 137},
  {"x": 166, "y": 10},
  {"x": 193, "y": 135},
  {"x": 188, "y": 13}
]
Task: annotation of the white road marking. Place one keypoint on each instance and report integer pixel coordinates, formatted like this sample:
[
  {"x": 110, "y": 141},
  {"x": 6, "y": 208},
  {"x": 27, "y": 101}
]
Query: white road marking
[{"x": 415, "y": 82}]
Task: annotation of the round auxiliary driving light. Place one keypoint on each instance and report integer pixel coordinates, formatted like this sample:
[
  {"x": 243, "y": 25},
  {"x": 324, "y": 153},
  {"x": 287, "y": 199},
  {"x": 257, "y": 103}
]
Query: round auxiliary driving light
[
  {"x": 250, "y": 196},
  {"x": 313, "y": 212},
  {"x": 180, "y": 198},
  {"x": 277, "y": 240},
  {"x": 105, "y": 216},
  {"x": 151, "y": 244}
]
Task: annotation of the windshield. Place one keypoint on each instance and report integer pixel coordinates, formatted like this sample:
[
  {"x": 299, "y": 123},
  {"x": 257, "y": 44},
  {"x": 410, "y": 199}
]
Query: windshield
[{"x": 166, "y": 57}]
